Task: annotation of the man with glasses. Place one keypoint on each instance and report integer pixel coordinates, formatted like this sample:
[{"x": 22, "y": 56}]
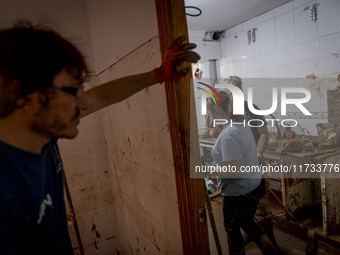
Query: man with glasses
[{"x": 42, "y": 99}]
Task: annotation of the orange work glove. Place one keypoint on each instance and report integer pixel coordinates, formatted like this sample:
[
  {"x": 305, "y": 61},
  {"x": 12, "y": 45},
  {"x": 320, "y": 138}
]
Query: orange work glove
[{"x": 176, "y": 54}]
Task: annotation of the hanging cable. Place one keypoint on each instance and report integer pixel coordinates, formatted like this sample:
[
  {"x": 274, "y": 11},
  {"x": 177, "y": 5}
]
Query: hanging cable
[{"x": 196, "y": 8}]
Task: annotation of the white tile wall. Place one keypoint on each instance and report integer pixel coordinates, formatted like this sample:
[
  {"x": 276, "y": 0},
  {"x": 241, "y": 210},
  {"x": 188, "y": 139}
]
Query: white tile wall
[
  {"x": 251, "y": 49},
  {"x": 268, "y": 67},
  {"x": 227, "y": 32},
  {"x": 253, "y": 71},
  {"x": 269, "y": 75},
  {"x": 237, "y": 46},
  {"x": 236, "y": 29},
  {"x": 288, "y": 83},
  {"x": 329, "y": 54},
  {"x": 286, "y": 62},
  {"x": 286, "y": 56},
  {"x": 267, "y": 94},
  {"x": 289, "y": 46},
  {"x": 266, "y": 36},
  {"x": 305, "y": 28},
  {"x": 313, "y": 86},
  {"x": 223, "y": 71},
  {"x": 229, "y": 70},
  {"x": 252, "y": 64},
  {"x": 297, "y": 3},
  {"x": 292, "y": 107},
  {"x": 284, "y": 30},
  {"x": 258, "y": 94},
  {"x": 328, "y": 21},
  {"x": 226, "y": 49},
  {"x": 223, "y": 61},
  {"x": 265, "y": 16},
  {"x": 245, "y": 85},
  {"x": 206, "y": 49},
  {"x": 283, "y": 9},
  {"x": 240, "y": 68},
  {"x": 307, "y": 58},
  {"x": 329, "y": 82},
  {"x": 249, "y": 24},
  {"x": 268, "y": 60},
  {"x": 287, "y": 71}
]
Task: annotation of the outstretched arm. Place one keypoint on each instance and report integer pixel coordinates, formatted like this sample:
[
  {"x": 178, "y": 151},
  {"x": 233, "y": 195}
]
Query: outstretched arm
[{"x": 118, "y": 90}]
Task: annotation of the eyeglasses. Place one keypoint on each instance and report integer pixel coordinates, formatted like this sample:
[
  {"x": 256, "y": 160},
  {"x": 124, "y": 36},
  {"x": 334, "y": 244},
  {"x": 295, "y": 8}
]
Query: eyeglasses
[{"x": 77, "y": 92}]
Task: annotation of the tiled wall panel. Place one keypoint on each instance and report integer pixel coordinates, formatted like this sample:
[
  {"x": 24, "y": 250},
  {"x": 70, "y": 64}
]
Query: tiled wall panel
[{"x": 290, "y": 50}]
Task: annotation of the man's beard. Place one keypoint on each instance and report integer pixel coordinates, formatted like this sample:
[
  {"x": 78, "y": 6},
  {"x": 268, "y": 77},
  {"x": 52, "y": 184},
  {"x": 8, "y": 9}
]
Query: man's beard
[{"x": 52, "y": 126}]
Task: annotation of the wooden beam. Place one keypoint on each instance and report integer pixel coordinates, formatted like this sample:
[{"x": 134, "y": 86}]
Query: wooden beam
[{"x": 190, "y": 192}]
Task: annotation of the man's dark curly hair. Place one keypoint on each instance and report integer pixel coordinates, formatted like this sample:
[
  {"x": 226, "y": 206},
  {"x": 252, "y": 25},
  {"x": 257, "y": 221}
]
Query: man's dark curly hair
[{"x": 32, "y": 56}]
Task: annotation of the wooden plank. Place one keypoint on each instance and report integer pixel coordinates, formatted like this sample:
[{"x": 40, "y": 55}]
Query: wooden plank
[
  {"x": 75, "y": 224},
  {"x": 331, "y": 196},
  {"x": 172, "y": 24},
  {"x": 212, "y": 220},
  {"x": 300, "y": 191}
]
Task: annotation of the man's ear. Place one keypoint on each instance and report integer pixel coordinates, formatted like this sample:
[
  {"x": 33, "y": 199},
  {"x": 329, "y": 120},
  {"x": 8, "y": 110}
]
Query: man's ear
[
  {"x": 14, "y": 94},
  {"x": 11, "y": 91},
  {"x": 21, "y": 102},
  {"x": 30, "y": 101},
  {"x": 15, "y": 97}
]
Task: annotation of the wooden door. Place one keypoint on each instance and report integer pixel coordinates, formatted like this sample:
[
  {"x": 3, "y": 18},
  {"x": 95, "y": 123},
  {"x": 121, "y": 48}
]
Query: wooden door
[{"x": 190, "y": 192}]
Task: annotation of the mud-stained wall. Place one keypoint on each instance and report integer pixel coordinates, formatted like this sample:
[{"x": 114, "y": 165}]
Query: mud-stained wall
[
  {"x": 120, "y": 169},
  {"x": 140, "y": 160},
  {"x": 89, "y": 182},
  {"x": 145, "y": 219}
]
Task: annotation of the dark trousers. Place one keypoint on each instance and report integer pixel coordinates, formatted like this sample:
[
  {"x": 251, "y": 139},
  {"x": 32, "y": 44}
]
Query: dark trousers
[{"x": 239, "y": 212}]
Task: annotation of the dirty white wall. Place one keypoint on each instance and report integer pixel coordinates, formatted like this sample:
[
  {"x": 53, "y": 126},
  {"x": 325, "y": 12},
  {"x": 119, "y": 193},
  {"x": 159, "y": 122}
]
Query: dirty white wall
[
  {"x": 289, "y": 46},
  {"x": 125, "y": 41},
  {"x": 206, "y": 47},
  {"x": 69, "y": 18},
  {"x": 119, "y": 168},
  {"x": 88, "y": 176}
]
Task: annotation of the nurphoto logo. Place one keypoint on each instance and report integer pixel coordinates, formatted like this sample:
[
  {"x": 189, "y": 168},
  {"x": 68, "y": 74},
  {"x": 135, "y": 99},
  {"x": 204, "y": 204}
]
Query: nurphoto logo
[{"x": 238, "y": 102}]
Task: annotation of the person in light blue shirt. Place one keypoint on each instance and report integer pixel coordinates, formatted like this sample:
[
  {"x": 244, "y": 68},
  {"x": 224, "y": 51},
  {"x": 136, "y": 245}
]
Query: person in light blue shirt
[
  {"x": 233, "y": 145},
  {"x": 241, "y": 183}
]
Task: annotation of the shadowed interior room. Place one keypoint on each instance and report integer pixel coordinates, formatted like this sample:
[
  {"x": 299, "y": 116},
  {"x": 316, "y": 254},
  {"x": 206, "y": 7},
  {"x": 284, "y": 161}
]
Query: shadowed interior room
[{"x": 130, "y": 181}]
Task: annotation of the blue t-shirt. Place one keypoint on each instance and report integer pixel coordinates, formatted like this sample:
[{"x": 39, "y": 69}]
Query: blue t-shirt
[
  {"x": 32, "y": 208},
  {"x": 237, "y": 142}
]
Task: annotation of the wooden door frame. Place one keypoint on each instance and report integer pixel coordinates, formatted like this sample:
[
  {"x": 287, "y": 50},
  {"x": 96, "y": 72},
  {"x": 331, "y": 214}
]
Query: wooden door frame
[{"x": 171, "y": 20}]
